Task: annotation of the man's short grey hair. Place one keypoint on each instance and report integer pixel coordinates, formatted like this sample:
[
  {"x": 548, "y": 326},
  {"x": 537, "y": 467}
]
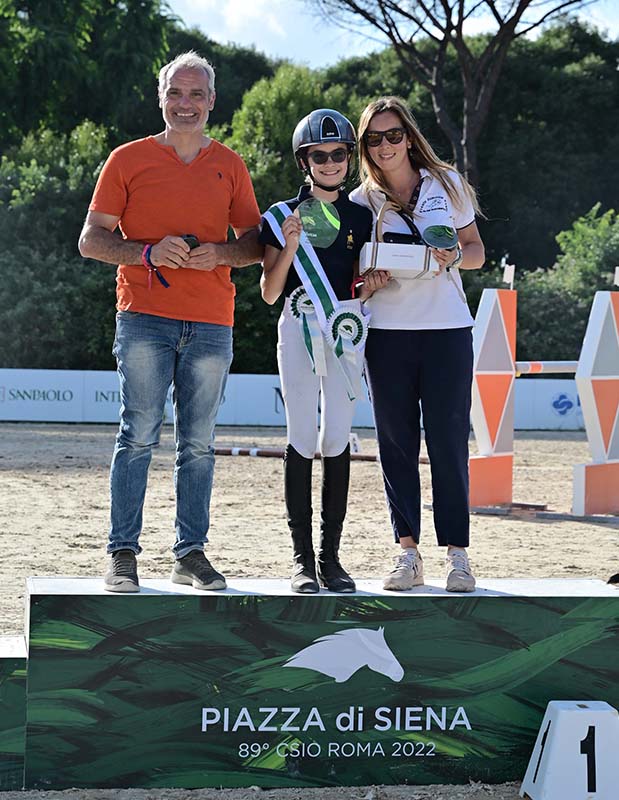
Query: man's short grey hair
[{"x": 189, "y": 60}]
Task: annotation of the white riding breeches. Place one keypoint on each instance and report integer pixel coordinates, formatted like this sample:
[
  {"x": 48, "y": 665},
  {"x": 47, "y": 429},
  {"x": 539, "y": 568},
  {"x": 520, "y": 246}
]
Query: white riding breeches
[{"x": 301, "y": 388}]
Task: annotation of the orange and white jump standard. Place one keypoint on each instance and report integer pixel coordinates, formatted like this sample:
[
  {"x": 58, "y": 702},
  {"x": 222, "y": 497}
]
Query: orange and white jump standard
[
  {"x": 492, "y": 409},
  {"x": 596, "y": 485}
]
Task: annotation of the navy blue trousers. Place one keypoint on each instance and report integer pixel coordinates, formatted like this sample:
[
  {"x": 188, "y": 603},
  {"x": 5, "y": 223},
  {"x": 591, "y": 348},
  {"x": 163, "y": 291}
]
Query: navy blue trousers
[{"x": 431, "y": 371}]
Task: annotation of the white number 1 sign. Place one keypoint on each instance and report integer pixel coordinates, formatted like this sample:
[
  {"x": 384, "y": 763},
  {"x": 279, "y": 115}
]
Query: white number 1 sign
[{"x": 576, "y": 753}]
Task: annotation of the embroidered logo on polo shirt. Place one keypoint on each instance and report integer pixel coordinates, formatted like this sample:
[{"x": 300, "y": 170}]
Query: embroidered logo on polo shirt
[{"x": 434, "y": 203}]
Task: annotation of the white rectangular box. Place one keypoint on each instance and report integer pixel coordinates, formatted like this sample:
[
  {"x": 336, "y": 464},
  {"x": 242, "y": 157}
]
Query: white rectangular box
[{"x": 402, "y": 260}]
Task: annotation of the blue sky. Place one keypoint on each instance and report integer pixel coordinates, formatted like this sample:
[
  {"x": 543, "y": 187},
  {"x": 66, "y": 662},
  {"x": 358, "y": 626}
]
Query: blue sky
[{"x": 288, "y": 29}]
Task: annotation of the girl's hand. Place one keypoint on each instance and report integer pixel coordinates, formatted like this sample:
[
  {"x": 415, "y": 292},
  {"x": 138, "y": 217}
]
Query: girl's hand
[
  {"x": 376, "y": 280},
  {"x": 292, "y": 229}
]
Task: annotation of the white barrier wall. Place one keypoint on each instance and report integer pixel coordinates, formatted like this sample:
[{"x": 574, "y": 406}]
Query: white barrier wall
[
  {"x": 39, "y": 395},
  {"x": 547, "y": 405}
]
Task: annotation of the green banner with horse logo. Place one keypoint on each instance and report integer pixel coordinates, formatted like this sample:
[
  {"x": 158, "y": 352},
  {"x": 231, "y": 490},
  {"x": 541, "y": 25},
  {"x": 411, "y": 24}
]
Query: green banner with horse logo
[
  {"x": 277, "y": 691},
  {"x": 12, "y": 711}
]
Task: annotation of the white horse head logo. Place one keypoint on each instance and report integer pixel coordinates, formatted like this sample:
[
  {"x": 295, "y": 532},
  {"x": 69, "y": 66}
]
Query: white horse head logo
[{"x": 341, "y": 654}]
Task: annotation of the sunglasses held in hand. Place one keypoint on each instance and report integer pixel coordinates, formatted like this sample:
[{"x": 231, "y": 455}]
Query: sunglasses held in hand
[{"x": 393, "y": 136}]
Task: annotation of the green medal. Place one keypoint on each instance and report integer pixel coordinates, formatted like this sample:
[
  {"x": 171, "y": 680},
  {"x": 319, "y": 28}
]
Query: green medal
[{"x": 320, "y": 220}]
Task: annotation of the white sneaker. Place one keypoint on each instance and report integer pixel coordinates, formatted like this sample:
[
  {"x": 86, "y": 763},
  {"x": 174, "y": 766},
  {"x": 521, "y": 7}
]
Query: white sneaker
[
  {"x": 459, "y": 575},
  {"x": 408, "y": 571}
]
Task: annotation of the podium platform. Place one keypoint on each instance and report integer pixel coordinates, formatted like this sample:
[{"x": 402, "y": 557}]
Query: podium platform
[
  {"x": 498, "y": 587},
  {"x": 258, "y": 686}
]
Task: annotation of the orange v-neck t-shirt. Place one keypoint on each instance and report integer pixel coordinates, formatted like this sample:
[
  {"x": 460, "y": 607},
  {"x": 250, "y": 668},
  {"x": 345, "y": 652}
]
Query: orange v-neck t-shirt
[{"x": 155, "y": 194}]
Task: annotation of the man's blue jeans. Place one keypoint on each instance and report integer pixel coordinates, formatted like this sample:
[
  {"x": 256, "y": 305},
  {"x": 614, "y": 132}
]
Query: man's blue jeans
[{"x": 152, "y": 353}]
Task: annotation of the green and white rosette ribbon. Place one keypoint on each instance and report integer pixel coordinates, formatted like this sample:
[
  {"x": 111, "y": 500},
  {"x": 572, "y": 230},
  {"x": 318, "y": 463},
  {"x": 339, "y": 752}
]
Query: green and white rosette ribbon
[
  {"x": 319, "y": 294},
  {"x": 303, "y": 310},
  {"x": 346, "y": 333}
]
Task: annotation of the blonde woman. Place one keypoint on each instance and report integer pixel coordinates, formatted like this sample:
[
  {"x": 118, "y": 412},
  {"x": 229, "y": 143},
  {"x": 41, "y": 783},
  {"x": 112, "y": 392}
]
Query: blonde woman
[{"x": 419, "y": 353}]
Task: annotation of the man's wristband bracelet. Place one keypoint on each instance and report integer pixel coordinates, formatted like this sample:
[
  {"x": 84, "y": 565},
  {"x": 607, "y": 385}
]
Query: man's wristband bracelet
[
  {"x": 151, "y": 267},
  {"x": 146, "y": 257}
]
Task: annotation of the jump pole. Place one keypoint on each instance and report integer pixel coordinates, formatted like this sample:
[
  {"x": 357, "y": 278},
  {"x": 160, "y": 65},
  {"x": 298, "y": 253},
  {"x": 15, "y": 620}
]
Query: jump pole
[
  {"x": 278, "y": 452},
  {"x": 545, "y": 367}
]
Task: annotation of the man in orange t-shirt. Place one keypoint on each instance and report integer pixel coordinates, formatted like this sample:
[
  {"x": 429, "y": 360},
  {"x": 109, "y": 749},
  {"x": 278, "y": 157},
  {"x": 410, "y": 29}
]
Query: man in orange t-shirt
[{"x": 173, "y": 196}]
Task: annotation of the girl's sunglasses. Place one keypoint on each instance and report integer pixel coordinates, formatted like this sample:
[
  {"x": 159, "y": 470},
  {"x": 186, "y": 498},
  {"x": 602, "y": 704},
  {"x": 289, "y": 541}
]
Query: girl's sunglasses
[
  {"x": 321, "y": 156},
  {"x": 393, "y": 136}
]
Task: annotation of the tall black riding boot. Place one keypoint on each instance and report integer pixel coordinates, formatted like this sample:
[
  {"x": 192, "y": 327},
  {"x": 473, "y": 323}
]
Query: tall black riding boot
[
  {"x": 298, "y": 494},
  {"x": 335, "y": 479}
]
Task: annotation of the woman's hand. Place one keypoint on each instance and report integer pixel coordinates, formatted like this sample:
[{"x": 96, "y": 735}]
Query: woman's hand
[
  {"x": 377, "y": 279},
  {"x": 472, "y": 250},
  {"x": 443, "y": 258}
]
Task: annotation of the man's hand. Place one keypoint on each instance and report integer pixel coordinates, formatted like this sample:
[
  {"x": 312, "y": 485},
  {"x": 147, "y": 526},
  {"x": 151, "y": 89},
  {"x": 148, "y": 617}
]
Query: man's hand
[
  {"x": 205, "y": 257},
  {"x": 171, "y": 251}
]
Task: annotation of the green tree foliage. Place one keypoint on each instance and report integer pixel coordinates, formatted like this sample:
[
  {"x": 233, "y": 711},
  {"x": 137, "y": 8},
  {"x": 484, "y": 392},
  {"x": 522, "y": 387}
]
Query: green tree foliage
[
  {"x": 80, "y": 59},
  {"x": 554, "y": 304},
  {"x": 62, "y": 61},
  {"x": 551, "y": 146},
  {"x": 12, "y": 43},
  {"x": 46, "y": 183},
  {"x": 589, "y": 252},
  {"x": 58, "y": 309}
]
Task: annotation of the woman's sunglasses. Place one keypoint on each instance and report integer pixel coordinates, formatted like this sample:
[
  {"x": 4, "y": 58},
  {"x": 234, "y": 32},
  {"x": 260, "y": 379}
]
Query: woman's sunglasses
[
  {"x": 321, "y": 156},
  {"x": 393, "y": 136}
]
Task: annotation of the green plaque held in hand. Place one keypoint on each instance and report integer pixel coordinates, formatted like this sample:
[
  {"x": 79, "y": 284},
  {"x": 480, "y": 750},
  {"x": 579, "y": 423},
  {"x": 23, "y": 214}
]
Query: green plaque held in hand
[
  {"x": 440, "y": 236},
  {"x": 320, "y": 220}
]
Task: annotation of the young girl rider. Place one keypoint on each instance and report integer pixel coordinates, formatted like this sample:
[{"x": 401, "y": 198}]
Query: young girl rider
[{"x": 319, "y": 328}]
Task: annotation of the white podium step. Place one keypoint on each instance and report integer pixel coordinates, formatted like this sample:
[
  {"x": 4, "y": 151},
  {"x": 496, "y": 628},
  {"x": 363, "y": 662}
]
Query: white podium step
[{"x": 499, "y": 587}]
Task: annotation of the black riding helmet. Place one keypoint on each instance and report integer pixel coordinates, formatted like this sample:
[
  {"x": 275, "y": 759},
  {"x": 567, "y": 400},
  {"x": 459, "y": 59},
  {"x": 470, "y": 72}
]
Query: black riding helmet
[{"x": 321, "y": 126}]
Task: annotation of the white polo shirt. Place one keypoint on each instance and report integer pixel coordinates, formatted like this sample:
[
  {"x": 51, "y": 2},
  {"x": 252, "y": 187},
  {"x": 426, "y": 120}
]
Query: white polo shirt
[{"x": 435, "y": 303}]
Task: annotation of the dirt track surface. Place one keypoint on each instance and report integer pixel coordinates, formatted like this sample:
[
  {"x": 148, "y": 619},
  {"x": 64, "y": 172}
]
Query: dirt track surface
[{"x": 55, "y": 516}]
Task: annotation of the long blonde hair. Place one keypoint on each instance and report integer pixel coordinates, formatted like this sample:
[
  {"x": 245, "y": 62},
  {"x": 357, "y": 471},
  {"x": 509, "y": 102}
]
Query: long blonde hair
[{"x": 421, "y": 155}]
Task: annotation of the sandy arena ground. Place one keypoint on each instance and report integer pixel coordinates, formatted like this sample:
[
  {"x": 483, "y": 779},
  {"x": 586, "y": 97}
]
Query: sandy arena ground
[{"x": 54, "y": 518}]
